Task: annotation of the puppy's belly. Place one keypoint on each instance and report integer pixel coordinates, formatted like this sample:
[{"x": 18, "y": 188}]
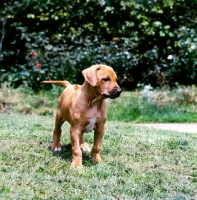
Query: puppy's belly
[{"x": 90, "y": 125}]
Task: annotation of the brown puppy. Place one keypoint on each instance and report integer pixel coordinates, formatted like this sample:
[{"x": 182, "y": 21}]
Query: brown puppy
[{"x": 84, "y": 107}]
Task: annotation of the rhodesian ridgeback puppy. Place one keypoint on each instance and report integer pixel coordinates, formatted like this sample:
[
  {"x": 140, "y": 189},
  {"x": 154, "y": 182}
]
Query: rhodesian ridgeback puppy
[{"x": 84, "y": 107}]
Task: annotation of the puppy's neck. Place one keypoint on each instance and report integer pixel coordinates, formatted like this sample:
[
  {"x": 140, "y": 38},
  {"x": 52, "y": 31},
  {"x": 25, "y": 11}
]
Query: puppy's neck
[{"x": 93, "y": 95}]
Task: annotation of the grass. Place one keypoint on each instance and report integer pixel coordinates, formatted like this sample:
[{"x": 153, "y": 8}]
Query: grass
[
  {"x": 139, "y": 163},
  {"x": 164, "y": 105},
  {"x": 131, "y": 107}
]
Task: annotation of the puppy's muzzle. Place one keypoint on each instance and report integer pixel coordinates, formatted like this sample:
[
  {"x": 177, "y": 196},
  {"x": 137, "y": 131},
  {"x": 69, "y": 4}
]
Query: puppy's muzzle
[{"x": 113, "y": 93}]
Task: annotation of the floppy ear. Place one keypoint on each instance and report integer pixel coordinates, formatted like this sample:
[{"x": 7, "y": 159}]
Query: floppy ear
[{"x": 90, "y": 74}]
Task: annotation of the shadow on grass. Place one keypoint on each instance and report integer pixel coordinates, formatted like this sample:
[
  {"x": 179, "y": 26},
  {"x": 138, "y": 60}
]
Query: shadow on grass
[{"x": 66, "y": 154}]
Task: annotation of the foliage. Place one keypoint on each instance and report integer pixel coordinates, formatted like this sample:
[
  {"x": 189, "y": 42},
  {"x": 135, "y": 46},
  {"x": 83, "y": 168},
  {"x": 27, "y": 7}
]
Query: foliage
[
  {"x": 133, "y": 36},
  {"x": 139, "y": 163}
]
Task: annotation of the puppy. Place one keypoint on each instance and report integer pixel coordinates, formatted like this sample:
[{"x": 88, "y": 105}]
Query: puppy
[{"x": 84, "y": 107}]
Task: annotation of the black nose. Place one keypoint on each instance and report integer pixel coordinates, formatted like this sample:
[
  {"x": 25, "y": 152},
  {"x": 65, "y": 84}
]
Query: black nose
[{"x": 119, "y": 91}]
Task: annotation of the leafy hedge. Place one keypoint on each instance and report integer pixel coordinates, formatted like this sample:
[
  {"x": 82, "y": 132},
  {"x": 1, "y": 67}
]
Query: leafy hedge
[{"x": 134, "y": 37}]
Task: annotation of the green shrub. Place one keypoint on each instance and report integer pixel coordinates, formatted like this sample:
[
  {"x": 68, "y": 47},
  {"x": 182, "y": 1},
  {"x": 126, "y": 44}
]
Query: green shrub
[{"x": 135, "y": 37}]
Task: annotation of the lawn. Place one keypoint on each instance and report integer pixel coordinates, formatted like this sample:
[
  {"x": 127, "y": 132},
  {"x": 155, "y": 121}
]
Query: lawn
[{"x": 139, "y": 163}]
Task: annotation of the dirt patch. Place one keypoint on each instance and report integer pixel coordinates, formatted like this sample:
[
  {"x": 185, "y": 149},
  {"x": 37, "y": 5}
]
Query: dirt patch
[{"x": 179, "y": 127}]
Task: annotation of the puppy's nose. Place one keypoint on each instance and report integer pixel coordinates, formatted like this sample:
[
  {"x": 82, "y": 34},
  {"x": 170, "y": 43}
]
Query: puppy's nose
[{"x": 119, "y": 91}]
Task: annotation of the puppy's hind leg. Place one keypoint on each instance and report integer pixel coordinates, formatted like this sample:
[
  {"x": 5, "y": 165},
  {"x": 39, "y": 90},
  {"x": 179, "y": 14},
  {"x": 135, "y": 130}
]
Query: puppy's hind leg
[{"x": 56, "y": 146}]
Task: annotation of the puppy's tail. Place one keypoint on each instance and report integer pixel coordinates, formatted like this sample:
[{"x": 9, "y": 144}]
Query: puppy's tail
[{"x": 60, "y": 83}]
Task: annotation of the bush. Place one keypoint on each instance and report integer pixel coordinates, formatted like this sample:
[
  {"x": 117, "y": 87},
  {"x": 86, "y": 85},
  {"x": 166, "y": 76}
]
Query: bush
[{"x": 134, "y": 37}]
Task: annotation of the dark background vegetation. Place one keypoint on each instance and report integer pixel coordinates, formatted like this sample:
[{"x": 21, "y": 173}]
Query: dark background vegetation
[{"x": 134, "y": 37}]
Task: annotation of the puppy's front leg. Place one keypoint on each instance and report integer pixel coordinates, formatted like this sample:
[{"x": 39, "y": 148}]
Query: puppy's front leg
[
  {"x": 76, "y": 150},
  {"x": 98, "y": 135},
  {"x": 84, "y": 146}
]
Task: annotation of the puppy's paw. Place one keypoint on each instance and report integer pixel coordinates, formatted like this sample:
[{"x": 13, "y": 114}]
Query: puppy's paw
[
  {"x": 85, "y": 147},
  {"x": 56, "y": 146},
  {"x": 57, "y": 149},
  {"x": 76, "y": 164},
  {"x": 96, "y": 158}
]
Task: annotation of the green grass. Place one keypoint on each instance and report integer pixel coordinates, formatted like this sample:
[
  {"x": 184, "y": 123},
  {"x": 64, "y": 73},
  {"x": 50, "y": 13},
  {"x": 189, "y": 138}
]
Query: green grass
[
  {"x": 139, "y": 163},
  {"x": 152, "y": 106},
  {"x": 130, "y": 107}
]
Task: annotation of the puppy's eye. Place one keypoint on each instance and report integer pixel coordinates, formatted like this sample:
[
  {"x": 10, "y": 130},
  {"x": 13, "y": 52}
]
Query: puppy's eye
[{"x": 106, "y": 79}]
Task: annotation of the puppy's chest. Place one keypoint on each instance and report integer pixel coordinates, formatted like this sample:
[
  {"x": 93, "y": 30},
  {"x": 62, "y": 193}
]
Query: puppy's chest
[
  {"x": 90, "y": 125},
  {"x": 89, "y": 118}
]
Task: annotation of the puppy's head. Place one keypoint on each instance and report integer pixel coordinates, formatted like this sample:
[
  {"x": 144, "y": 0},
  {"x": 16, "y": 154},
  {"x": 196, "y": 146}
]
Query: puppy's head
[{"x": 104, "y": 79}]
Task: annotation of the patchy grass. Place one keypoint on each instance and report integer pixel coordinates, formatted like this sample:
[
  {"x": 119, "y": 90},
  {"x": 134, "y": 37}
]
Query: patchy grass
[
  {"x": 139, "y": 163},
  {"x": 25, "y": 101},
  {"x": 147, "y": 105},
  {"x": 132, "y": 107}
]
